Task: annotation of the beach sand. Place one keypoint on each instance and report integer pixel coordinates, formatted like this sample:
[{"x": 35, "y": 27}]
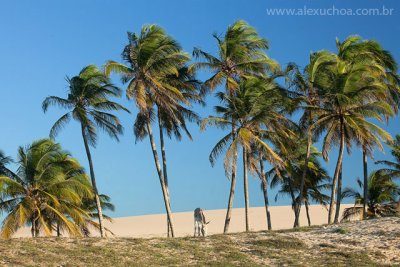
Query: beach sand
[{"x": 155, "y": 225}]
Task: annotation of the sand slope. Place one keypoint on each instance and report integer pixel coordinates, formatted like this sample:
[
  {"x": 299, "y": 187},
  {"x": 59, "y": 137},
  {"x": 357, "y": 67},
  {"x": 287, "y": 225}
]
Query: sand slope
[{"x": 155, "y": 225}]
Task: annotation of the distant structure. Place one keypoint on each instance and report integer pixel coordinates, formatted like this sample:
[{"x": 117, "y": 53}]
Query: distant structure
[{"x": 200, "y": 224}]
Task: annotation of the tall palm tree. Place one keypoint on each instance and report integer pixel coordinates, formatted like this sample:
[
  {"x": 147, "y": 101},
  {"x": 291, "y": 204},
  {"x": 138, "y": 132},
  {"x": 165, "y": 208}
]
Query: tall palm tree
[
  {"x": 240, "y": 54},
  {"x": 304, "y": 84},
  {"x": 258, "y": 114},
  {"x": 346, "y": 105},
  {"x": 383, "y": 66},
  {"x": 383, "y": 193},
  {"x": 88, "y": 103},
  {"x": 173, "y": 126},
  {"x": 48, "y": 187},
  {"x": 152, "y": 59}
]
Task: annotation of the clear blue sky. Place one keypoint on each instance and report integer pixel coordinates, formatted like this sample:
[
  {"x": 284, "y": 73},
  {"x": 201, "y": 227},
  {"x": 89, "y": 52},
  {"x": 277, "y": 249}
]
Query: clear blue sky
[{"x": 44, "y": 41}]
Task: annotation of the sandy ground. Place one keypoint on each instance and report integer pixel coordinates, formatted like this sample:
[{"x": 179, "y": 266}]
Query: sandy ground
[
  {"x": 155, "y": 225},
  {"x": 381, "y": 237}
]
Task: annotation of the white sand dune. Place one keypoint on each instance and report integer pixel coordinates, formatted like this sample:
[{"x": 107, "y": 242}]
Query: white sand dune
[{"x": 155, "y": 225}]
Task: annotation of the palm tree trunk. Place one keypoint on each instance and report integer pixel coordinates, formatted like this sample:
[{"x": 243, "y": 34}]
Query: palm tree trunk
[
  {"x": 33, "y": 228},
  {"x": 160, "y": 176},
  {"x": 246, "y": 189},
  {"x": 233, "y": 184},
  {"x": 303, "y": 178},
  {"x": 164, "y": 160},
  {"x": 293, "y": 198},
  {"x": 93, "y": 179},
  {"x": 338, "y": 198},
  {"x": 308, "y": 213},
  {"x": 36, "y": 228},
  {"x": 365, "y": 166},
  {"x": 336, "y": 175},
  {"x": 265, "y": 192},
  {"x": 58, "y": 229},
  {"x": 168, "y": 228}
]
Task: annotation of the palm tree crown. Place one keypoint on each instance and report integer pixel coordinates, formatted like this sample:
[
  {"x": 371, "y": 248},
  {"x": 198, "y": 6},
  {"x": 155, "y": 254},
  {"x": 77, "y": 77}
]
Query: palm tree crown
[
  {"x": 151, "y": 56},
  {"x": 382, "y": 195},
  {"x": 48, "y": 188},
  {"x": 240, "y": 54},
  {"x": 88, "y": 103}
]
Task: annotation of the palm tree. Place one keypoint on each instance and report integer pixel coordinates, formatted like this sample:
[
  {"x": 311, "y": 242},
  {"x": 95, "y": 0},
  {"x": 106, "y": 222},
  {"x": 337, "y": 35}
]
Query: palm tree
[
  {"x": 240, "y": 54},
  {"x": 153, "y": 58},
  {"x": 291, "y": 181},
  {"x": 383, "y": 66},
  {"x": 88, "y": 103},
  {"x": 264, "y": 182},
  {"x": 346, "y": 104},
  {"x": 47, "y": 189},
  {"x": 382, "y": 192},
  {"x": 191, "y": 88},
  {"x": 174, "y": 125},
  {"x": 256, "y": 160},
  {"x": 258, "y": 115},
  {"x": 304, "y": 84}
]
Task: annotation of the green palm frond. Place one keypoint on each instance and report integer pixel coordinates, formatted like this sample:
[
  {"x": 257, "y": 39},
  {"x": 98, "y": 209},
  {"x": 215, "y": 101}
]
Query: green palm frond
[
  {"x": 49, "y": 188},
  {"x": 88, "y": 95}
]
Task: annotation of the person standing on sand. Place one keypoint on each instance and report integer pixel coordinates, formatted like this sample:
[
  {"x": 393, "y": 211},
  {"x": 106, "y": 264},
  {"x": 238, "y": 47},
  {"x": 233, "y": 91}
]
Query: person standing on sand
[{"x": 200, "y": 223}]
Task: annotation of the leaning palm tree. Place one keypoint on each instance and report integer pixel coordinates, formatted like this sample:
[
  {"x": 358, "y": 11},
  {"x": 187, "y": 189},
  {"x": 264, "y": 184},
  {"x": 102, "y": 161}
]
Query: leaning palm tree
[
  {"x": 152, "y": 59},
  {"x": 383, "y": 193},
  {"x": 174, "y": 125},
  {"x": 48, "y": 187},
  {"x": 383, "y": 67},
  {"x": 344, "y": 111},
  {"x": 88, "y": 103},
  {"x": 258, "y": 113},
  {"x": 240, "y": 54}
]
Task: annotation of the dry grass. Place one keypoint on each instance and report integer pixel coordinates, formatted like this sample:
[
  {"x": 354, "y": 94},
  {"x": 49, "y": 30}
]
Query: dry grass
[{"x": 243, "y": 249}]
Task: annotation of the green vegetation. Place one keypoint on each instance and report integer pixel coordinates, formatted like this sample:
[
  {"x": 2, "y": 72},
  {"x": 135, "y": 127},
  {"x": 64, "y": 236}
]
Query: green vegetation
[
  {"x": 256, "y": 104},
  {"x": 49, "y": 192},
  {"x": 258, "y": 249},
  {"x": 355, "y": 85},
  {"x": 382, "y": 195},
  {"x": 290, "y": 178},
  {"x": 341, "y": 231}
]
